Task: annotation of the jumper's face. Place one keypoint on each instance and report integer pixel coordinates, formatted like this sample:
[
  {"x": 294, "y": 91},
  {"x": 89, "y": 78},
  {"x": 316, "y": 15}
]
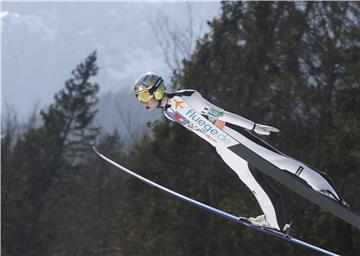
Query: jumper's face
[
  {"x": 151, "y": 104},
  {"x": 146, "y": 98}
]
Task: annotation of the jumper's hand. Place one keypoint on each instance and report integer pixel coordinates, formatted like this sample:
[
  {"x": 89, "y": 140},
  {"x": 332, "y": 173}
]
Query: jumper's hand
[{"x": 264, "y": 129}]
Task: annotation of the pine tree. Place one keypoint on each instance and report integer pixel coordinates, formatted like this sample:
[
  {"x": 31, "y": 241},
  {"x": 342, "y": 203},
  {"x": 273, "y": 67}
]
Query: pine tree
[{"x": 68, "y": 122}]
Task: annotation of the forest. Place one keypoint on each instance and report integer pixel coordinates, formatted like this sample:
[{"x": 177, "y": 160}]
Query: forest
[{"x": 291, "y": 65}]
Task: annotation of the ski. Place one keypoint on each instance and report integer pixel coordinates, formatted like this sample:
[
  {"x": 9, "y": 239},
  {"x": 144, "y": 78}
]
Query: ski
[
  {"x": 194, "y": 121},
  {"x": 241, "y": 220}
]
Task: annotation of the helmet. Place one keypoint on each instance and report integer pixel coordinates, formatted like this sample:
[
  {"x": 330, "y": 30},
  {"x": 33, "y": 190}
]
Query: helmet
[{"x": 149, "y": 85}]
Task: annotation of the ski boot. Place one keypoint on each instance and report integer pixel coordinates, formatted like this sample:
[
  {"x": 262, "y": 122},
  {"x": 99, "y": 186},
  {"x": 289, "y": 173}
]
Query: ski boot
[{"x": 262, "y": 222}]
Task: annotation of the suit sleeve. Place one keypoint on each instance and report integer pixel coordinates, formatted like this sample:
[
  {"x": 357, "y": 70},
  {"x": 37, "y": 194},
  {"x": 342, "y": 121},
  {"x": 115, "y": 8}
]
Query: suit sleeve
[{"x": 214, "y": 112}]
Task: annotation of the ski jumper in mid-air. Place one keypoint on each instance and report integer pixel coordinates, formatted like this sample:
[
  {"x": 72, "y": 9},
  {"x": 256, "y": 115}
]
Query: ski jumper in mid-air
[{"x": 151, "y": 92}]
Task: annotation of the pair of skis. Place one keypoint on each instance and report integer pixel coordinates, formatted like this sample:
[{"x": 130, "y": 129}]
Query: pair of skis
[{"x": 241, "y": 220}]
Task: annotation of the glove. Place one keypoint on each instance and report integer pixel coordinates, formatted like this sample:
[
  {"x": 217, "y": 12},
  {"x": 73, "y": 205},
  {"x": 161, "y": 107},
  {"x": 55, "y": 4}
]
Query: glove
[{"x": 264, "y": 129}]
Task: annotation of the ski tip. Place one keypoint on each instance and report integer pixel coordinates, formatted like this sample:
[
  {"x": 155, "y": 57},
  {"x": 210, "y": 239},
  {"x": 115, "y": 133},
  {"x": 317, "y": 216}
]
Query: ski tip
[{"x": 94, "y": 148}]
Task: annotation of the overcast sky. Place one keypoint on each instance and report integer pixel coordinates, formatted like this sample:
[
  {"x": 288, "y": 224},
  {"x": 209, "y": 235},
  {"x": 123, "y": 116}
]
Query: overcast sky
[{"x": 43, "y": 41}]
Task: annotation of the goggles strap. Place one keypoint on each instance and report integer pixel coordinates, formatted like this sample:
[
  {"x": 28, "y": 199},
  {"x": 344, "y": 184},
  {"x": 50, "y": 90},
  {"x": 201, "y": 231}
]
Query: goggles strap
[{"x": 156, "y": 85}]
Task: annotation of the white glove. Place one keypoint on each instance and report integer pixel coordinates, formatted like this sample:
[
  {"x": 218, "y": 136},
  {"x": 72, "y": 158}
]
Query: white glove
[{"x": 264, "y": 129}]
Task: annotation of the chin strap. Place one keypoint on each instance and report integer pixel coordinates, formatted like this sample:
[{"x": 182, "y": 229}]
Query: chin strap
[
  {"x": 166, "y": 106},
  {"x": 159, "y": 104}
]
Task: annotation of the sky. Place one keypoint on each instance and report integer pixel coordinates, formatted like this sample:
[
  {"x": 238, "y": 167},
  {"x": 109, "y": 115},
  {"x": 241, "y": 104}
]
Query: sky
[{"x": 42, "y": 42}]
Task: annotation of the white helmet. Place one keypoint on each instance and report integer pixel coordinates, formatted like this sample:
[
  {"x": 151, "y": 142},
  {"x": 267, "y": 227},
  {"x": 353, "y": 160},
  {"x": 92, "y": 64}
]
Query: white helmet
[{"x": 149, "y": 85}]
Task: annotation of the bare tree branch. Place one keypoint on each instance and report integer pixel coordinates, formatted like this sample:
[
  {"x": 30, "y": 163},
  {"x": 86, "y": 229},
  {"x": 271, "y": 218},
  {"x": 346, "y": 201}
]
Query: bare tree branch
[{"x": 176, "y": 44}]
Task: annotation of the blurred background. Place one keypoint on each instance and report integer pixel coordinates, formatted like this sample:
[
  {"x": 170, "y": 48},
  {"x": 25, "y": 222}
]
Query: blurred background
[{"x": 67, "y": 75}]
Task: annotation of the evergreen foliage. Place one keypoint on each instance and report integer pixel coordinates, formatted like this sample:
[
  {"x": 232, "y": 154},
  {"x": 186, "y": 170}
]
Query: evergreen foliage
[{"x": 68, "y": 121}]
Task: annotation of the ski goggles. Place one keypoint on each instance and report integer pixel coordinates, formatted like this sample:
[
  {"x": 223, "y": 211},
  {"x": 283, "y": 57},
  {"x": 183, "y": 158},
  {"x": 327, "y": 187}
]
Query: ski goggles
[{"x": 144, "y": 96}]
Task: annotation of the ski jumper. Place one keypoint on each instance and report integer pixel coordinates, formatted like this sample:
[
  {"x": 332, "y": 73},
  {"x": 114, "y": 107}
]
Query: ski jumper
[{"x": 239, "y": 127}]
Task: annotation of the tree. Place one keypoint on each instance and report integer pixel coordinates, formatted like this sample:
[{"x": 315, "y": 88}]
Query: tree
[
  {"x": 68, "y": 122},
  {"x": 176, "y": 44},
  {"x": 42, "y": 163}
]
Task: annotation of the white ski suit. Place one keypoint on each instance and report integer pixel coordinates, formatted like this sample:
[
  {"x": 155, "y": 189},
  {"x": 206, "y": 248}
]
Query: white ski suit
[{"x": 237, "y": 127}]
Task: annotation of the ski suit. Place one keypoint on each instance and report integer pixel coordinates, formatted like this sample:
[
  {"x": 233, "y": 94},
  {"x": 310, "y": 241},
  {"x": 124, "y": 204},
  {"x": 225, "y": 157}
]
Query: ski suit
[{"x": 238, "y": 127}]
